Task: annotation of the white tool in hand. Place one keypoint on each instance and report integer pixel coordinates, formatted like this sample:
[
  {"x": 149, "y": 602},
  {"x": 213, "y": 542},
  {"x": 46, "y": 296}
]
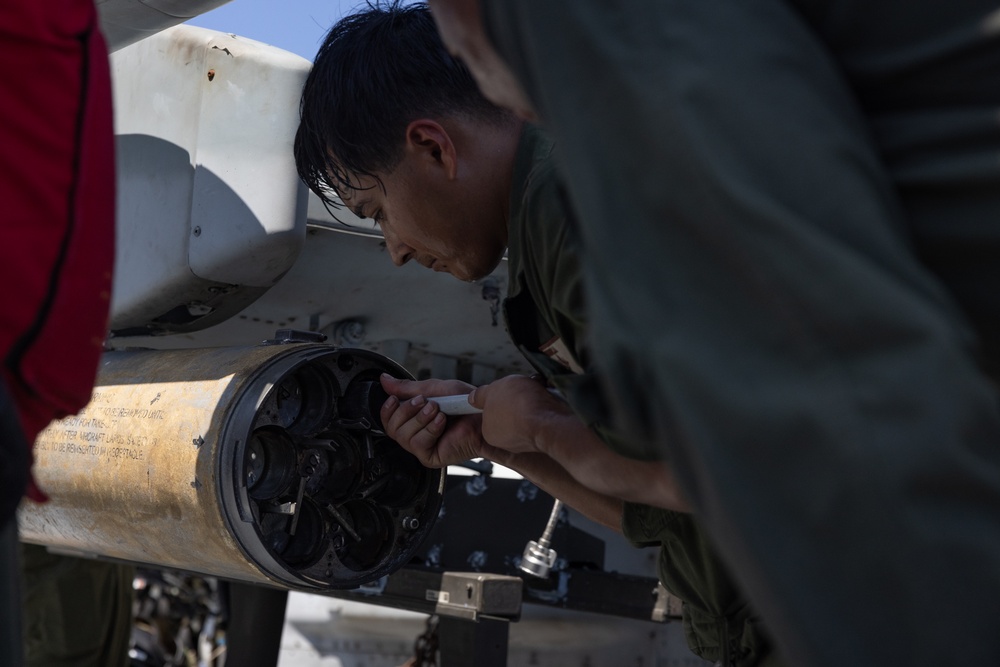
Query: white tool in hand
[{"x": 455, "y": 405}]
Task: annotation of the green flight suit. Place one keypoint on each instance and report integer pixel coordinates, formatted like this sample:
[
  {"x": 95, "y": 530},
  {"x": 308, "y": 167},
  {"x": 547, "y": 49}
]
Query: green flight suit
[
  {"x": 77, "y": 611},
  {"x": 790, "y": 216},
  {"x": 547, "y": 321}
]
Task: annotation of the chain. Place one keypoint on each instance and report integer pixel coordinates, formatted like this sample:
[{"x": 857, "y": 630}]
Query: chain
[{"x": 425, "y": 648}]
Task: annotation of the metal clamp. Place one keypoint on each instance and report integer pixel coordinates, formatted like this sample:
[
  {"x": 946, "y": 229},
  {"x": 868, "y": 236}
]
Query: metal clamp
[{"x": 471, "y": 594}]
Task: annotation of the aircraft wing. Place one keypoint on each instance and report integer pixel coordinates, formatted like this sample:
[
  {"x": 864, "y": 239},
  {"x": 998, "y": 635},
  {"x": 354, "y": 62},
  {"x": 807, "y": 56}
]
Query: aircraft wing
[{"x": 127, "y": 21}]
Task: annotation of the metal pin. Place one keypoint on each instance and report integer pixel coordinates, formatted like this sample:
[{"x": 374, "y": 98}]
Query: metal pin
[
  {"x": 538, "y": 557},
  {"x": 343, "y": 523},
  {"x": 298, "y": 506}
]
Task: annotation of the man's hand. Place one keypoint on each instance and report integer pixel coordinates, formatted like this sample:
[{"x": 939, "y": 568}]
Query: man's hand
[
  {"x": 521, "y": 421},
  {"x": 515, "y": 410},
  {"x": 413, "y": 420},
  {"x": 420, "y": 428},
  {"x": 521, "y": 417}
]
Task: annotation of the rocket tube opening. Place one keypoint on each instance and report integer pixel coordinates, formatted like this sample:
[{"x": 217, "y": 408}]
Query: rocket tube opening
[
  {"x": 304, "y": 400},
  {"x": 270, "y": 463},
  {"x": 333, "y": 515}
]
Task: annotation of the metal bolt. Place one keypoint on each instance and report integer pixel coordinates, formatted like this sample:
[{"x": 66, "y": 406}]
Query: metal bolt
[
  {"x": 196, "y": 231},
  {"x": 411, "y": 523},
  {"x": 434, "y": 556},
  {"x": 476, "y": 486},
  {"x": 476, "y": 560},
  {"x": 349, "y": 332},
  {"x": 526, "y": 491}
]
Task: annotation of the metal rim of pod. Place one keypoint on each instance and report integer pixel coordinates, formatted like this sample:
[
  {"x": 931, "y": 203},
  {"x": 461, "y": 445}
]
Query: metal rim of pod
[{"x": 317, "y": 496}]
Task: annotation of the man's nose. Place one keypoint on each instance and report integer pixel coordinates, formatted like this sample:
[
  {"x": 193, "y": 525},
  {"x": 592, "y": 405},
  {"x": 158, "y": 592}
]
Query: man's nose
[{"x": 400, "y": 252}]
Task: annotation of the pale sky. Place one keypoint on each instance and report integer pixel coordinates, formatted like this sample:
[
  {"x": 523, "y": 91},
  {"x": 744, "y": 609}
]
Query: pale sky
[{"x": 294, "y": 25}]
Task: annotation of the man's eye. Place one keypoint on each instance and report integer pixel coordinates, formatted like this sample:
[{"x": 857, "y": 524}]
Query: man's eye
[{"x": 378, "y": 217}]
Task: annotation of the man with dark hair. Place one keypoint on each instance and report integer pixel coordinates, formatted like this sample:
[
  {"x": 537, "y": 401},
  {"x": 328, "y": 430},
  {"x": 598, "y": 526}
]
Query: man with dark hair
[{"x": 397, "y": 128}]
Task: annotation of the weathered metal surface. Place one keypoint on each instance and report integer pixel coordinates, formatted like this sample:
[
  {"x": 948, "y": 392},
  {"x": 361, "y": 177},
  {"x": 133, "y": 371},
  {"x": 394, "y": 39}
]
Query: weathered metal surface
[
  {"x": 208, "y": 218},
  {"x": 156, "y": 468},
  {"x": 125, "y": 476}
]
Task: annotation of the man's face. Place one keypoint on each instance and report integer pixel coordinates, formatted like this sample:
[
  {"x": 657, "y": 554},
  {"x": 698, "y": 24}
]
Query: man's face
[{"x": 445, "y": 225}]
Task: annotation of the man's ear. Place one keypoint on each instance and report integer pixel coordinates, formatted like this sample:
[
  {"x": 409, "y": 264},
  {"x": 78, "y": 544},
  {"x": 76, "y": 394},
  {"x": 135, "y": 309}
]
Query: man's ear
[{"x": 431, "y": 144}]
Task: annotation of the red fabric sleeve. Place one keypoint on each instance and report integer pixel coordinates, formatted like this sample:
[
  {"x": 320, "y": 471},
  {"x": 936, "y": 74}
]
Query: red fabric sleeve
[{"x": 56, "y": 204}]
